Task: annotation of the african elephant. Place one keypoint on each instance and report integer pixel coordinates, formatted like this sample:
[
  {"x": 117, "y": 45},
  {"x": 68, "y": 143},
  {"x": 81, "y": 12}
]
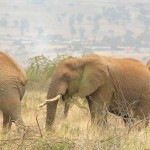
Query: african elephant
[
  {"x": 120, "y": 85},
  {"x": 148, "y": 64},
  {"x": 13, "y": 80}
]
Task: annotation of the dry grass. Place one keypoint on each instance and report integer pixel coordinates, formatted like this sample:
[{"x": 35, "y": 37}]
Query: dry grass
[{"x": 73, "y": 133}]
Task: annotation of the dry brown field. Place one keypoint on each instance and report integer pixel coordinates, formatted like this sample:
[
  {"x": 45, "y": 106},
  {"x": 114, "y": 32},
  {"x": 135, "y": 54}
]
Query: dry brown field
[{"x": 73, "y": 133}]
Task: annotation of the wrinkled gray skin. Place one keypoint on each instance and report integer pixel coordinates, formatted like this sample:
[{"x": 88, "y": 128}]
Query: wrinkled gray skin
[
  {"x": 121, "y": 86},
  {"x": 13, "y": 80}
]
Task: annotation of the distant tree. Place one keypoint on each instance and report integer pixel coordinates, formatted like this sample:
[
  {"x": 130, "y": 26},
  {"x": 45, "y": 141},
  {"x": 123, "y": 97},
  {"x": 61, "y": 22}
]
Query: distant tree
[
  {"x": 143, "y": 11},
  {"x": 96, "y": 26},
  {"x": 89, "y": 18},
  {"x": 24, "y": 26},
  {"x": 72, "y": 25},
  {"x": 59, "y": 18},
  {"x": 16, "y": 23},
  {"x": 112, "y": 14},
  {"x": 143, "y": 39},
  {"x": 3, "y": 22},
  {"x": 80, "y": 18},
  {"x": 64, "y": 14},
  {"x": 115, "y": 42},
  {"x": 72, "y": 20},
  {"x": 145, "y": 19},
  {"x": 72, "y": 30},
  {"x": 128, "y": 38},
  {"x": 40, "y": 31},
  {"x": 105, "y": 40},
  {"x": 124, "y": 12},
  {"x": 117, "y": 14},
  {"x": 112, "y": 41},
  {"x": 82, "y": 32}
]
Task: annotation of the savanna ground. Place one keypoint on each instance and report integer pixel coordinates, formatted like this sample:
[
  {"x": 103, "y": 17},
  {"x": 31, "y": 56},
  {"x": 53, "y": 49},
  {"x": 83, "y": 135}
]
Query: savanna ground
[{"x": 74, "y": 133}]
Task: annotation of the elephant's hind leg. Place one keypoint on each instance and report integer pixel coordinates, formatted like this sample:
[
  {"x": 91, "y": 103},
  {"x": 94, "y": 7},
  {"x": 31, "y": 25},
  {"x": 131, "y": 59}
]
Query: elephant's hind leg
[
  {"x": 6, "y": 122},
  {"x": 98, "y": 104},
  {"x": 15, "y": 114},
  {"x": 142, "y": 112},
  {"x": 143, "y": 118}
]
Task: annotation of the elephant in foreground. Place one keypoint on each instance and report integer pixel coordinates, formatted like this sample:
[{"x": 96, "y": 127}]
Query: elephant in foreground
[
  {"x": 13, "y": 80},
  {"x": 118, "y": 85}
]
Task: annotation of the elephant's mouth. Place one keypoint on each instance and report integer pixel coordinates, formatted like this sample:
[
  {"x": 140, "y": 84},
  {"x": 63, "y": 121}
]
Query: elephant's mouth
[
  {"x": 66, "y": 95},
  {"x": 63, "y": 98}
]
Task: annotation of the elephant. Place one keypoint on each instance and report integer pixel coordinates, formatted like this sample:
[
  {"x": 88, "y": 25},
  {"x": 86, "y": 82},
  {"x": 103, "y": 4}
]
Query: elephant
[
  {"x": 148, "y": 64},
  {"x": 118, "y": 85},
  {"x": 13, "y": 81}
]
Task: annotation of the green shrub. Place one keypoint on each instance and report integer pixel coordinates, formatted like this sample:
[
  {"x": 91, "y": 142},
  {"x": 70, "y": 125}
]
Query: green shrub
[{"x": 40, "y": 70}]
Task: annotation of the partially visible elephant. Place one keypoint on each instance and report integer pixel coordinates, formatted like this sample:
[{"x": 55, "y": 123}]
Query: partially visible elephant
[
  {"x": 13, "y": 80},
  {"x": 148, "y": 64},
  {"x": 120, "y": 85}
]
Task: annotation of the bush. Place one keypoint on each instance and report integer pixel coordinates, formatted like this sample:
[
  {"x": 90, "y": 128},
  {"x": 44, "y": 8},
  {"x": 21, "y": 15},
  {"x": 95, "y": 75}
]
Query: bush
[{"x": 40, "y": 70}]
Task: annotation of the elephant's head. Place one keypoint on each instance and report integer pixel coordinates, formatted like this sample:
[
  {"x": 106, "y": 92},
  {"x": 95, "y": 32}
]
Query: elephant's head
[{"x": 71, "y": 76}]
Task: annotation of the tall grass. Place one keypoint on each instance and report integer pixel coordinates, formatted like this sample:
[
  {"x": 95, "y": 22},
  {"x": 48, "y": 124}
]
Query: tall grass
[{"x": 74, "y": 133}]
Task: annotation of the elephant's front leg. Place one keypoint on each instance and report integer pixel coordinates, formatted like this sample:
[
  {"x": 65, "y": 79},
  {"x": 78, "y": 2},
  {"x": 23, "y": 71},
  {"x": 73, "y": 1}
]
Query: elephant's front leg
[
  {"x": 66, "y": 109},
  {"x": 98, "y": 111},
  {"x": 98, "y": 105}
]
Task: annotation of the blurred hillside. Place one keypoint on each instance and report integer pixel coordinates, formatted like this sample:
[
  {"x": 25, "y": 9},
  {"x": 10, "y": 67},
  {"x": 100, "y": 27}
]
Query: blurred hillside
[{"x": 50, "y": 27}]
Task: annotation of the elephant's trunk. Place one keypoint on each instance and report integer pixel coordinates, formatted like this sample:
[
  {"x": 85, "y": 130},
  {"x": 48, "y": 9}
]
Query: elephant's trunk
[
  {"x": 51, "y": 112},
  {"x": 52, "y": 106}
]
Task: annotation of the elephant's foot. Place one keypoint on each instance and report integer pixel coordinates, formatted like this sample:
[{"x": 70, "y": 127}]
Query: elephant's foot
[
  {"x": 7, "y": 122},
  {"x": 142, "y": 124},
  {"x": 99, "y": 125},
  {"x": 6, "y": 128},
  {"x": 138, "y": 125},
  {"x": 49, "y": 128}
]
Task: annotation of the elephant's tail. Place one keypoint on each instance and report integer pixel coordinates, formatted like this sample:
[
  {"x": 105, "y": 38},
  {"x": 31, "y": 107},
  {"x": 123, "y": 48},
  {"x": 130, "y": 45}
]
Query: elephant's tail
[{"x": 23, "y": 78}]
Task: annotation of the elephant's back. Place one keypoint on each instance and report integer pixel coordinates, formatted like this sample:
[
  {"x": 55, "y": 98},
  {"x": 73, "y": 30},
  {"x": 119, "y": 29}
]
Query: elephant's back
[
  {"x": 132, "y": 73},
  {"x": 10, "y": 68},
  {"x": 132, "y": 67}
]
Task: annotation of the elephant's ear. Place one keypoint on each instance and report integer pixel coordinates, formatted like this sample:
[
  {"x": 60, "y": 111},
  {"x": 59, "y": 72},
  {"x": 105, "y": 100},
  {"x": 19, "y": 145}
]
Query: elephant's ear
[{"x": 95, "y": 73}]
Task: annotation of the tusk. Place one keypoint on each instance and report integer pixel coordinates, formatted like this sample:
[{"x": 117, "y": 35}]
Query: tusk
[
  {"x": 43, "y": 104},
  {"x": 50, "y": 100},
  {"x": 54, "y": 99}
]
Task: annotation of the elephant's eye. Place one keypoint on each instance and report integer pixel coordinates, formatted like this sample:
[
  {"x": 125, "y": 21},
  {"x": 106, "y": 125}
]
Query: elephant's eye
[{"x": 66, "y": 76}]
